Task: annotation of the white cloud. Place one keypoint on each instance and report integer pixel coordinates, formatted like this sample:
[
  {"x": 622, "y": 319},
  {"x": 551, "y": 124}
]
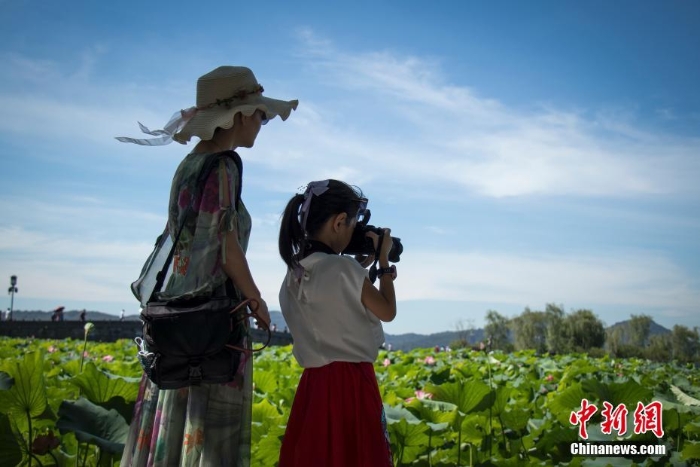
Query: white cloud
[
  {"x": 447, "y": 132},
  {"x": 385, "y": 115}
]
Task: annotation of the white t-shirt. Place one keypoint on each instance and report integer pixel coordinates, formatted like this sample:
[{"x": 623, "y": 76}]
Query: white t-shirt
[{"x": 325, "y": 314}]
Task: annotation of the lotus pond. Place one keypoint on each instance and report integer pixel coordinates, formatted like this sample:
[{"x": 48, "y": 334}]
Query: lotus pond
[{"x": 67, "y": 403}]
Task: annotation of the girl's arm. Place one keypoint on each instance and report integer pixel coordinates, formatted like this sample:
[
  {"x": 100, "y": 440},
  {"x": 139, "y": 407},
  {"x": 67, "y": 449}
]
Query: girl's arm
[{"x": 382, "y": 302}]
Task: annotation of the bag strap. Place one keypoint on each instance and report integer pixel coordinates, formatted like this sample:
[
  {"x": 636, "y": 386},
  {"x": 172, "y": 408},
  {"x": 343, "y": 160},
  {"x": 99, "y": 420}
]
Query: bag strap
[
  {"x": 207, "y": 167},
  {"x": 252, "y": 314}
]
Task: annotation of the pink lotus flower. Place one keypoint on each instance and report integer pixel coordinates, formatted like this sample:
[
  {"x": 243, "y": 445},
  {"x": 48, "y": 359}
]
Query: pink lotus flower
[
  {"x": 107, "y": 358},
  {"x": 429, "y": 360},
  {"x": 420, "y": 395},
  {"x": 51, "y": 349},
  {"x": 386, "y": 362},
  {"x": 85, "y": 354},
  {"x": 549, "y": 378}
]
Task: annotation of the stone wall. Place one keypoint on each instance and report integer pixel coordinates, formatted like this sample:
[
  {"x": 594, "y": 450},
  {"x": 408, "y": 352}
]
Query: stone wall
[{"x": 104, "y": 331}]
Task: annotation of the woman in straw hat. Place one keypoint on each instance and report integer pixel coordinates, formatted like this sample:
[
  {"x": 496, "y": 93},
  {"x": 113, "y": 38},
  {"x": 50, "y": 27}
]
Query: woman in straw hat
[{"x": 207, "y": 424}]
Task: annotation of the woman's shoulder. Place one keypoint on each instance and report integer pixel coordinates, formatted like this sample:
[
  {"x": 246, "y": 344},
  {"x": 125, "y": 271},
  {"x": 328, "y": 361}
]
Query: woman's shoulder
[{"x": 192, "y": 165}]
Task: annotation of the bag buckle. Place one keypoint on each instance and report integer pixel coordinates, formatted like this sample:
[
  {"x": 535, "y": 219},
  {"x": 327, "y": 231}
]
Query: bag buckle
[{"x": 195, "y": 374}]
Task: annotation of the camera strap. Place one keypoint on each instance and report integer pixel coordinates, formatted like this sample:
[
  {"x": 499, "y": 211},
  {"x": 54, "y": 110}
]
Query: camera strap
[{"x": 373, "y": 268}]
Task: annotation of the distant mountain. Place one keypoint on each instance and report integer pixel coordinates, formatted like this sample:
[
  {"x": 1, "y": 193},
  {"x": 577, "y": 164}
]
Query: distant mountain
[
  {"x": 407, "y": 342},
  {"x": 410, "y": 341},
  {"x": 654, "y": 329}
]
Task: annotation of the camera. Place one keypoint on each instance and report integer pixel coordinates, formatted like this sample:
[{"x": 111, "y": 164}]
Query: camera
[{"x": 360, "y": 244}]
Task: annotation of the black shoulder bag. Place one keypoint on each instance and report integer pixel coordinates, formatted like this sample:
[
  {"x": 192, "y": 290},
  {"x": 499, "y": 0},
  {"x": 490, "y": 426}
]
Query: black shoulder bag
[{"x": 194, "y": 341}]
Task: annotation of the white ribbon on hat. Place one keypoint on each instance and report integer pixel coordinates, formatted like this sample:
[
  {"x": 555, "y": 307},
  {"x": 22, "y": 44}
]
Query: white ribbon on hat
[{"x": 177, "y": 123}]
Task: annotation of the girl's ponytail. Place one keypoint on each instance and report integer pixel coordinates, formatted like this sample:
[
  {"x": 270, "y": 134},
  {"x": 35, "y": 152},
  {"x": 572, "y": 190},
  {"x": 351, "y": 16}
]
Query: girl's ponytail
[{"x": 291, "y": 233}]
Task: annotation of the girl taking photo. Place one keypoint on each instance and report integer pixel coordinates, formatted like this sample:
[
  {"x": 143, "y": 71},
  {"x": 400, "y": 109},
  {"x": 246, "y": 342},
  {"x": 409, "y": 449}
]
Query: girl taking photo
[{"x": 334, "y": 314}]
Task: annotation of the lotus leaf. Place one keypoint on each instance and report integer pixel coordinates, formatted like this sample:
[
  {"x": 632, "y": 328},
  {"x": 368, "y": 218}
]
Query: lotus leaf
[
  {"x": 683, "y": 397},
  {"x": 28, "y": 394},
  {"x": 691, "y": 451},
  {"x": 10, "y": 451},
  {"x": 93, "y": 424},
  {"x": 100, "y": 387},
  {"x": 466, "y": 395},
  {"x": 410, "y": 439}
]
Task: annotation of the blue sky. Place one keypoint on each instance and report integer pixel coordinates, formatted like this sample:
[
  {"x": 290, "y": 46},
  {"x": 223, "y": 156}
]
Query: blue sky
[{"x": 525, "y": 152}]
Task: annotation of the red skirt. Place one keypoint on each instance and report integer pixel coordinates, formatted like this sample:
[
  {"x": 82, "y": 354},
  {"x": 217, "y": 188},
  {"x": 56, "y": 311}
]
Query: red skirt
[{"x": 337, "y": 419}]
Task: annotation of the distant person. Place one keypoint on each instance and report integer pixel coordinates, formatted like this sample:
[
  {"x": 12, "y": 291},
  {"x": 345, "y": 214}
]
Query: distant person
[
  {"x": 210, "y": 424},
  {"x": 83, "y": 316},
  {"x": 121, "y": 318},
  {"x": 334, "y": 314}
]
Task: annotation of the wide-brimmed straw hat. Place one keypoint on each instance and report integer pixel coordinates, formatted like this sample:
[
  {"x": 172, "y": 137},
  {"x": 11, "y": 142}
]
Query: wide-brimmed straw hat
[{"x": 221, "y": 94}]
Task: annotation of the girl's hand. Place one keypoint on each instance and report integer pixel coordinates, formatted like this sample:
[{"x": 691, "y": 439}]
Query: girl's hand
[{"x": 385, "y": 247}]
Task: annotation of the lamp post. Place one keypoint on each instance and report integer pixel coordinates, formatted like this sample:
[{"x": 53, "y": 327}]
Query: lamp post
[{"x": 12, "y": 291}]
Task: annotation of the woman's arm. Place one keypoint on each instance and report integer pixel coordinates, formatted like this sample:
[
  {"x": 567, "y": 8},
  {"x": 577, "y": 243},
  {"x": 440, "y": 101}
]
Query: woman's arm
[{"x": 236, "y": 265}]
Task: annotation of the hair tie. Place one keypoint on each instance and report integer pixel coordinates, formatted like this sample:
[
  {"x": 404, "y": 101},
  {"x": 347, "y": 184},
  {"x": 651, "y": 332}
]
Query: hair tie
[{"x": 314, "y": 188}]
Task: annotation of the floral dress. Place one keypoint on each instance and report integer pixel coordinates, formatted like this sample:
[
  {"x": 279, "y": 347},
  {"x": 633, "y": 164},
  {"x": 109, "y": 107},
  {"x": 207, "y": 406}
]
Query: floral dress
[{"x": 207, "y": 425}]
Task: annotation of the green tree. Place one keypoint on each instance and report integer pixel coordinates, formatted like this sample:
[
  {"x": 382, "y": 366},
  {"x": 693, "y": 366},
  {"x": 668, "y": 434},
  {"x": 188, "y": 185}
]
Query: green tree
[
  {"x": 614, "y": 340},
  {"x": 685, "y": 344},
  {"x": 660, "y": 348},
  {"x": 530, "y": 330},
  {"x": 557, "y": 335},
  {"x": 497, "y": 328},
  {"x": 639, "y": 327},
  {"x": 586, "y": 331}
]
